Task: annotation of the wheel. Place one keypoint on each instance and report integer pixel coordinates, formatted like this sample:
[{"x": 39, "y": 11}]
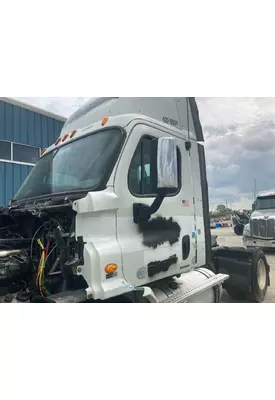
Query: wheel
[
  {"x": 259, "y": 280},
  {"x": 260, "y": 277}
]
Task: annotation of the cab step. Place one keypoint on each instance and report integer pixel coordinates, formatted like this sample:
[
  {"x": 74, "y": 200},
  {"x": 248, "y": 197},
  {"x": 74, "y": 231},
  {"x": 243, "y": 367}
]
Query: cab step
[
  {"x": 181, "y": 296},
  {"x": 188, "y": 286}
]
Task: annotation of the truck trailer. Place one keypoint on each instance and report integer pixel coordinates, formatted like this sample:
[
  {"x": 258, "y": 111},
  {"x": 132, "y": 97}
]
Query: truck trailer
[{"x": 116, "y": 210}]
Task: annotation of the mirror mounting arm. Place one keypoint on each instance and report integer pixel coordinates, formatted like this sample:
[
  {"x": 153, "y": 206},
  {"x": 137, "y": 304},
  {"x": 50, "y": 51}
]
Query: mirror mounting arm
[{"x": 143, "y": 212}]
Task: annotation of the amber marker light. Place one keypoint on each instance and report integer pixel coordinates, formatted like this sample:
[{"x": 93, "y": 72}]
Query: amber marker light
[
  {"x": 111, "y": 269},
  {"x": 104, "y": 121},
  {"x": 73, "y": 133}
]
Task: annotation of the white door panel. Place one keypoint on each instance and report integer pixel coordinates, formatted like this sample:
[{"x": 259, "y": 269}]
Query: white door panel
[{"x": 154, "y": 250}]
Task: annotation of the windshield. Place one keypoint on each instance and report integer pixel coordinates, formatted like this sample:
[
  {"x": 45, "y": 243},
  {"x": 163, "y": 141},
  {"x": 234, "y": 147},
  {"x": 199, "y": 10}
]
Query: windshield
[
  {"x": 79, "y": 165},
  {"x": 265, "y": 203}
]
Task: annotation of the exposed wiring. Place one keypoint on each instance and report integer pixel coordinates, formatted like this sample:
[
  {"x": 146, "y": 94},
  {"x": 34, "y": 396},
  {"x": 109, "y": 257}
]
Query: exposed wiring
[
  {"x": 39, "y": 270},
  {"x": 58, "y": 223},
  {"x": 45, "y": 254},
  {"x": 34, "y": 236},
  {"x": 50, "y": 253},
  {"x": 40, "y": 279}
]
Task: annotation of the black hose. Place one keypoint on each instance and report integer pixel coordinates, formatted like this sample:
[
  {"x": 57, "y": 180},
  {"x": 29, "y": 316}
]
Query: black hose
[{"x": 70, "y": 232}]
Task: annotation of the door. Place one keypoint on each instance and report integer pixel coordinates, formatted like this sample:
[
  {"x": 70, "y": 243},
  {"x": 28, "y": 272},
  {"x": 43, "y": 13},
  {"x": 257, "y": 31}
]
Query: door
[{"x": 165, "y": 245}]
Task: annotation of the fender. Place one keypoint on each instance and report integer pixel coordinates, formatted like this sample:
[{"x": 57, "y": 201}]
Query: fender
[{"x": 238, "y": 264}]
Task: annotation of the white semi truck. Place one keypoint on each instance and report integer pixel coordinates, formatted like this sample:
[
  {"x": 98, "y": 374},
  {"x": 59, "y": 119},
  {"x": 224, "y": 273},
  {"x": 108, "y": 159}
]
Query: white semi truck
[
  {"x": 116, "y": 210},
  {"x": 260, "y": 231}
]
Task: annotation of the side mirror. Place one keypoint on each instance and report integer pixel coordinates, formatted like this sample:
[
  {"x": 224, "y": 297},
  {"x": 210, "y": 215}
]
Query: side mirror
[
  {"x": 164, "y": 172},
  {"x": 166, "y": 165},
  {"x": 254, "y": 206}
]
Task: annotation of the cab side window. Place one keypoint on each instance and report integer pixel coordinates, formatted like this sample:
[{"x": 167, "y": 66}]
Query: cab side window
[{"x": 139, "y": 177}]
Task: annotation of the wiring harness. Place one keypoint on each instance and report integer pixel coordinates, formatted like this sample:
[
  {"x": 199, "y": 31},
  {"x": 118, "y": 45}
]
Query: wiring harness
[{"x": 40, "y": 278}]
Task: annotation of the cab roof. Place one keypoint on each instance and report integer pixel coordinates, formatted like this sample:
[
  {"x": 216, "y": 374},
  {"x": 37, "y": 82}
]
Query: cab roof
[
  {"x": 266, "y": 193},
  {"x": 174, "y": 111}
]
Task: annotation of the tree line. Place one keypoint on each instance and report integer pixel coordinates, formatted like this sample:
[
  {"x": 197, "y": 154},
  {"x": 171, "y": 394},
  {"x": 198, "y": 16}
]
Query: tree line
[{"x": 222, "y": 211}]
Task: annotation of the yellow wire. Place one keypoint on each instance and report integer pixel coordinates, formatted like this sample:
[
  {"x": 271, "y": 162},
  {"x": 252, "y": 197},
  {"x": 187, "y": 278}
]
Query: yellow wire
[
  {"x": 38, "y": 273},
  {"x": 40, "y": 244},
  {"x": 41, "y": 272},
  {"x": 42, "y": 262}
]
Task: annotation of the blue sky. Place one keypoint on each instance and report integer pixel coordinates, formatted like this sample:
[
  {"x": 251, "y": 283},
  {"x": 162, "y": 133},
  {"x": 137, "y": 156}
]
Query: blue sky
[{"x": 240, "y": 142}]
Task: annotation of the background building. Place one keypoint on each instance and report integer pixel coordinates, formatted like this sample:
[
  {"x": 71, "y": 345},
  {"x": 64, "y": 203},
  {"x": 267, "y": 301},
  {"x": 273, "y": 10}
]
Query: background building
[{"x": 24, "y": 131}]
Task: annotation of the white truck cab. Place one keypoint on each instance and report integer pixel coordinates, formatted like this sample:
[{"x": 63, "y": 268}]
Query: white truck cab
[
  {"x": 260, "y": 232},
  {"x": 114, "y": 140},
  {"x": 117, "y": 210}
]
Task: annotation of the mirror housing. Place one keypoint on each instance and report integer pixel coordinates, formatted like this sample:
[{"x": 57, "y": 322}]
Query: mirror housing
[
  {"x": 253, "y": 206},
  {"x": 164, "y": 174},
  {"x": 165, "y": 165}
]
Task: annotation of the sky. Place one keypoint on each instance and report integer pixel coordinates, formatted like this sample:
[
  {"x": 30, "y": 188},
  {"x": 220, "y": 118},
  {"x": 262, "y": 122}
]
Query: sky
[{"x": 239, "y": 141}]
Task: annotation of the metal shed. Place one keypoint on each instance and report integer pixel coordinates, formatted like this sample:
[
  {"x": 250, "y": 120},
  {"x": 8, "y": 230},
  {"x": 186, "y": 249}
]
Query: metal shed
[{"x": 24, "y": 131}]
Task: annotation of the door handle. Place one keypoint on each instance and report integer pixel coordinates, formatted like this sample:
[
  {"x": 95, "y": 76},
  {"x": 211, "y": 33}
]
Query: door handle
[{"x": 185, "y": 247}]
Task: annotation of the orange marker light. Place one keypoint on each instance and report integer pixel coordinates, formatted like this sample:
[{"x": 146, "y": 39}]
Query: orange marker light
[
  {"x": 65, "y": 137},
  {"x": 73, "y": 133},
  {"x": 58, "y": 141},
  {"x": 43, "y": 151},
  {"x": 111, "y": 268},
  {"x": 104, "y": 121}
]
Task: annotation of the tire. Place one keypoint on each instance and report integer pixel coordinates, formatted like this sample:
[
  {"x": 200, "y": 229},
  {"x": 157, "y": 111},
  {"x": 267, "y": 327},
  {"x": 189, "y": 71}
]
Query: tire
[
  {"x": 260, "y": 277},
  {"x": 238, "y": 229},
  {"x": 259, "y": 280}
]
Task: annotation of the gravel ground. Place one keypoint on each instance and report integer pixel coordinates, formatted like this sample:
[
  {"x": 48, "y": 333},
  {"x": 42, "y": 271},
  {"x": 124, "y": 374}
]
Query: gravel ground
[{"x": 226, "y": 237}]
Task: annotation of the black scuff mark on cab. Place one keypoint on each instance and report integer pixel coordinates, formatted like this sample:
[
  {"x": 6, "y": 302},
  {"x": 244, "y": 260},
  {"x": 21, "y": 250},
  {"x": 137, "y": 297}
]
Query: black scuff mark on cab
[
  {"x": 158, "y": 231},
  {"x": 156, "y": 267}
]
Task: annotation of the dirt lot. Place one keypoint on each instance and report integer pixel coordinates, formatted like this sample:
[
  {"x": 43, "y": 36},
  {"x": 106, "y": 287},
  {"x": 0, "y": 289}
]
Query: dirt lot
[{"x": 226, "y": 237}]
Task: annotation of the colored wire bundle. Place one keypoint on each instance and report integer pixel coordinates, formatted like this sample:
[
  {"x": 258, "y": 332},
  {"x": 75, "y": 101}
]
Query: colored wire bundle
[{"x": 40, "y": 279}]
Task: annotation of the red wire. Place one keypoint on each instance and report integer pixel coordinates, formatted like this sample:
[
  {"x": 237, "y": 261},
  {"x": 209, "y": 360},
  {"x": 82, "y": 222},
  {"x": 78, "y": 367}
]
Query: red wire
[{"x": 47, "y": 249}]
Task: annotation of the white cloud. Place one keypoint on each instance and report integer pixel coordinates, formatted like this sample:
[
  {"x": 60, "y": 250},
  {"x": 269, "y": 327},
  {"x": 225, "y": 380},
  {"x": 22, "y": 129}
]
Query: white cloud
[{"x": 226, "y": 111}]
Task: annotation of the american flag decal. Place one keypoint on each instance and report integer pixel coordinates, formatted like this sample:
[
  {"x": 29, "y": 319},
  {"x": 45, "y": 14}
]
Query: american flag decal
[{"x": 186, "y": 203}]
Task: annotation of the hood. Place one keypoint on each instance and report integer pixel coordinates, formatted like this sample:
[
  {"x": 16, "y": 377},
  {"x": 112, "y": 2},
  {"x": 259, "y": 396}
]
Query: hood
[{"x": 270, "y": 213}]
